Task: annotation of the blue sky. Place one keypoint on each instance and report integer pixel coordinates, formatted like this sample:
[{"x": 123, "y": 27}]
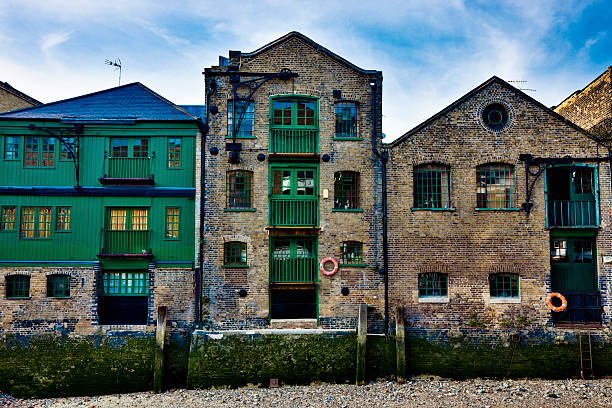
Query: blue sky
[{"x": 430, "y": 52}]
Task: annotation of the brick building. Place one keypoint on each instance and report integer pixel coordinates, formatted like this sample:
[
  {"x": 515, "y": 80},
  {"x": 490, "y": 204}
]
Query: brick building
[
  {"x": 11, "y": 98},
  {"x": 495, "y": 202},
  {"x": 291, "y": 178},
  {"x": 590, "y": 107},
  {"x": 97, "y": 213}
]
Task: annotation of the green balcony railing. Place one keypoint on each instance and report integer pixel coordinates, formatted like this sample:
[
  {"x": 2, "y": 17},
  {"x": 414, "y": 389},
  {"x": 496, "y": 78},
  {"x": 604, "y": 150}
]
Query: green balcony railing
[
  {"x": 122, "y": 242},
  {"x": 292, "y": 140},
  {"x": 572, "y": 213},
  {"x": 294, "y": 212},
  {"x": 129, "y": 167},
  {"x": 293, "y": 270}
]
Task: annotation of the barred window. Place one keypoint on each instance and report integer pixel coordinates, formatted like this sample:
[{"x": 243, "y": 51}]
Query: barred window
[
  {"x": 8, "y": 218},
  {"x": 35, "y": 222},
  {"x": 433, "y": 284},
  {"x": 17, "y": 286},
  {"x": 174, "y": 152},
  {"x": 240, "y": 115},
  {"x": 234, "y": 254},
  {"x": 352, "y": 253},
  {"x": 504, "y": 285},
  {"x": 63, "y": 218},
  {"x": 495, "y": 186},
  {"x": 432, "y": 186},
  {"x": 346, "y": 190},
  {"x": 11, "y": 147},
  {"x": 65, "y": 153},
  {"x": 172, "y": 223},
  {"x": 58, "y": 286},
  {"x": 125, "y": 283},
  {"x": 346, "y": 120},
  {"x": 239, "y": 189},
  {"x": 39, "y": 151}
]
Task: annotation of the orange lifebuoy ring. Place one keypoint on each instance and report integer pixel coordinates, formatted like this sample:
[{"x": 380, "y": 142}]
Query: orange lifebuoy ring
[
  {"x": 554, "y": 308},
  {"x": 322, "y": 266}
]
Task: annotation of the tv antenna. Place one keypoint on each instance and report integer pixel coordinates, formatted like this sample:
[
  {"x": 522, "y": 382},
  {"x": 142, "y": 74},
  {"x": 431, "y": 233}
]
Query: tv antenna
[
  {"x": 521, "y": 84},
  {"x": 117, "y": 64}
]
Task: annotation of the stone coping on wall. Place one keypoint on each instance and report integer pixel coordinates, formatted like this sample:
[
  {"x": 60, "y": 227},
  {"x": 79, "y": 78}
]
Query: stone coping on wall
[{"x": 218, "y": 334}]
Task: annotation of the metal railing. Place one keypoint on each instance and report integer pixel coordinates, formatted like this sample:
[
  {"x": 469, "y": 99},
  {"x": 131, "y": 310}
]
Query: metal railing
[
  {"x": 293, "y": 270},
  {"x": 294, "y": 212},
  {"x": 129, "y": 167},
  {"x": 572, "y": 213},
  {"x": 294, "y": 140},
  {"x": 117, "y": 242}
]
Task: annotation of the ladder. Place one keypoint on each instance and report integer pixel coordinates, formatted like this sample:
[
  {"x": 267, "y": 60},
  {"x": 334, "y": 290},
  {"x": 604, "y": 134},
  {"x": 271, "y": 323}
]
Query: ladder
[{"x": 586, "y": 355}]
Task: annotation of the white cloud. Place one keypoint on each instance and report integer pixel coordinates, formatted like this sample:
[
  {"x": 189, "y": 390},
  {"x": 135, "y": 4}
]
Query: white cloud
[{"x": 51, "y": 40}]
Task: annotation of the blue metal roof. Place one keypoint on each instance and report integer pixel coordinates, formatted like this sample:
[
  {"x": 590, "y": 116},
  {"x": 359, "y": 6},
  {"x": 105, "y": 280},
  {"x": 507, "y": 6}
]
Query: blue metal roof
[{"x": 132, "y": 101}]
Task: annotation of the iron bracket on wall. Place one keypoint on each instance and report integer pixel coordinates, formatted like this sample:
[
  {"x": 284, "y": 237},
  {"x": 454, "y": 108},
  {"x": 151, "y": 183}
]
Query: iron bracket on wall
[
  {"x": 64, "y": 139},
  {"x": 541, "y": 164}
]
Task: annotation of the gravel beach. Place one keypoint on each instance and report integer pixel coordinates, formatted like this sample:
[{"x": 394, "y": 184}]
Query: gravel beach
[{"x": 417, "y": 392}]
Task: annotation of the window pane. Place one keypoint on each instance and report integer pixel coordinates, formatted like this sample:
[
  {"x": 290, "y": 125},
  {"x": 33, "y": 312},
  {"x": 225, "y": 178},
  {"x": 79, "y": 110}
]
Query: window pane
[
  {"x": 17, "y": 286},
  {"x": 558, "y": 250},
  {"x": 239, "y": 189},
  {"x": 503, "y": 285},
  {"x": 174, "y": 152},
  {"x": 432, "y": 186},
  {"x": 65, "y": 153},
  {"x": 44, "y": 222},
  {"x": 31, "y": 151},
  {"x": 282, "y": 248},
  {"x": 172, "y": 223},
  {"x": 235, "y": 253},
  {"x": 351, "y": 252},
  {"x": 117, "y": 219},
  {"x": 243, "y": 112},
  {"x": 346, "y": 120},
  {"x": 282, "y": 113},
  {"x": 8, "y": 218},
  {"x": 125, "y": 283},
  {"x": 583, "y": 251},
  {"x": 11, "y": 147},
  {"x": 119, "y": 148},
  {"x": 140, "y": 218},
  {"x": 63, "y": 218},
  {"x": 305, "y": 182},
  {"x": 28, "y": 222},
  {"x": 583, "y": 181},
  {"x": 495, "y": 186},
  {"x": 433, "y": 284},
  {"x": 282, "y": 182},
  {"x": 346, "y": 190},
  {"x": 58, "y": 286},
  {"x": 48, "y": 151},
  {"x": 141, "y": 148}
]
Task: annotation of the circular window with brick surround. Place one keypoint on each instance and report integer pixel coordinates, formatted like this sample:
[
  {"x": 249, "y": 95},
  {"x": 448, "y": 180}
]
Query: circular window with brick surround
[{"x": 495, "y": 116}]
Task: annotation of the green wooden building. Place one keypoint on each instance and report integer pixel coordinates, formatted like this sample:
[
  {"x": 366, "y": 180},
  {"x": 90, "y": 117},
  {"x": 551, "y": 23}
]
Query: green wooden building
[{"x": 97, "y": 197}]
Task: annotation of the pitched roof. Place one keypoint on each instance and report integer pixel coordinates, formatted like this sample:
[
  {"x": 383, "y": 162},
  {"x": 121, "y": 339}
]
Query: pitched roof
[
  {"x": 295, "y": 34},
  {"x": 7, "y": 87},
  {"x": 132, "y": 101},
  {"x": 492, "y": 80}
]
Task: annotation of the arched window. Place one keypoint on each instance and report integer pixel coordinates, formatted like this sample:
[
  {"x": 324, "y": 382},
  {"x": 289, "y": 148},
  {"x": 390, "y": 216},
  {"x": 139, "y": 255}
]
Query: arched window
[
  {"x": 234, "y": 254},
  {"x": 17, "y": 286},
  {"x": 432, "y": 186},
  {"x": 346, "y": 190},
  {"x": 58, "y": 286},
  {"x": 495, "y": 186},
  {"x": 239, "y": 189}
]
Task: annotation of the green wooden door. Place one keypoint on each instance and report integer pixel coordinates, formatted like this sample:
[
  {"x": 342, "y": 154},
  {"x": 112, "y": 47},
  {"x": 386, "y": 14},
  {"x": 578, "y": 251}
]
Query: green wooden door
[
  {"x": 573, "y": 265},
  {"x": 294, "y": 196},
  {"x": 293, "y": 260}
]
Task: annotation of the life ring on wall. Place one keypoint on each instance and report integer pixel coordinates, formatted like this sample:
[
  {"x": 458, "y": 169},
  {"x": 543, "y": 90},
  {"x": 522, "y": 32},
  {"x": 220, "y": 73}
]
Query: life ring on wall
[
  {"x": 554, "y": 308},
  {"x": 325, "y": 271}
]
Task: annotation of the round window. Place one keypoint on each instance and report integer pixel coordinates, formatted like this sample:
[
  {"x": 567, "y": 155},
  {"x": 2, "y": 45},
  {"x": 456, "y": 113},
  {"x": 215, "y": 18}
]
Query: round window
[{"x": 495, "y": 116}]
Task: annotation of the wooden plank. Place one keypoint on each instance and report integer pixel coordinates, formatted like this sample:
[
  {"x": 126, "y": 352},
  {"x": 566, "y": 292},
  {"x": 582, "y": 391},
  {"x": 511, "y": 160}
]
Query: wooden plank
[
  {"x": 160, "y": 335},
  {"x": 400, "y": 345},
  {"x": 362, "y": 331}
]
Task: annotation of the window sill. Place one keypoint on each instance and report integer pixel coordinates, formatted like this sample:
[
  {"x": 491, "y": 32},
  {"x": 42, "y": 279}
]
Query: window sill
[
  {"x": 497, "y": 209},
  {"x": 450, "y": 209},
  {"x": 239, "y": 209},
  {"x": 58, "y": 297},
  {"x": 434, "y": 299},
  {"x": 505, "y": 300},
  {"x": 19, "y": 298},
  {"x": 240, "y": 137},
  {"x": 347, "y": 210},
  {"x": 348, "y": 139},
  {"x": 352, "y": 265},
  {"x": 235, "y": 266}
]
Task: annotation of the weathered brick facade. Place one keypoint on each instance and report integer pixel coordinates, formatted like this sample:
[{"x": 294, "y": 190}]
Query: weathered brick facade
[
  {"x": 590, "y": 107},
  {"x": 319, "y": 73},
  {"x": 11, "y": 98},
  {"x": 468, "y": 244}
]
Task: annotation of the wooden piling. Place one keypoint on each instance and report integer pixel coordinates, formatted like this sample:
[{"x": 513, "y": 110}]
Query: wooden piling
[
  {"x": 400, "y": 345},
  {"x": 362, "y": 332},
  {"x": 160, "y": 335}
]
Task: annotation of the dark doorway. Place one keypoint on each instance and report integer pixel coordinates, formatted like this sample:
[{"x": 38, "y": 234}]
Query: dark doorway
[{"x": 294, "y": 303}]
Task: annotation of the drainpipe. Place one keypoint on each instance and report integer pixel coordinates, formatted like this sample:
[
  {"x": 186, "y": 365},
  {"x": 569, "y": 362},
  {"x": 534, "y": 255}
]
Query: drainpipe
[{"x": 384, "y": 158}]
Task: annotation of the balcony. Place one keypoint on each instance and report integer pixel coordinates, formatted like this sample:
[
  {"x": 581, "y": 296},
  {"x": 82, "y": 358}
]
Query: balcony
[
  {"x": 293, "y": 270},
  {"x": 128, "y": 170},
  {"x": 572, "y": 213},
  {"x": 126, "y": 243},
  {"x": 294, "y": 212},
  {"x": 582, "y": 309},
  {"x": 293, "y": 140}
]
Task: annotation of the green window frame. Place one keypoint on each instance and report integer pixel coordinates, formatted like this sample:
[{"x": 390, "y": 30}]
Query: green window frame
[
  {"x": 346, "y": 120},
  {"x": 496, "y": 186},
  {"x": 239, "y": 189},
  {"x": 245, "y": 131},
  {"x": 346, "y": 190},
  {"x": 294, "y": 111},
  {"x": 128, "y": 218},
  {"x": 433, "y": 284},
  {"x": 63, "y": 219},
  {"x": 39, "y": 152},
  {"x": 235, "y": 254},
  {"x": 65, "y": 153},
  {"x": 504, "y": 285},
  {"x": 432, "y": 186},
  {"x": 129, "y": 147},
  {"x": 172, "y": 223},
  {"x": 294, "y": 259},
  {"x": 174, "y": 152},
  {"x": 11, "y": 147},
  {"x": 9, "y": 214},
  {"x": 352, "y": 253},
  {"x": 58, "y": 286},
  {"x": 17, "y": 286},
  {"x": 125, "y": 283},
  {"x": 35, "y": 222}
]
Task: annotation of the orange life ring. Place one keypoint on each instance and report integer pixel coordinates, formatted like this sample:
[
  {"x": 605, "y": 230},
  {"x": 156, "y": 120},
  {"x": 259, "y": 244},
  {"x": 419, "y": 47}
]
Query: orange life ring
[
  {"x": 322, "y": 266},
  {"x": 556, "y": 308}
]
